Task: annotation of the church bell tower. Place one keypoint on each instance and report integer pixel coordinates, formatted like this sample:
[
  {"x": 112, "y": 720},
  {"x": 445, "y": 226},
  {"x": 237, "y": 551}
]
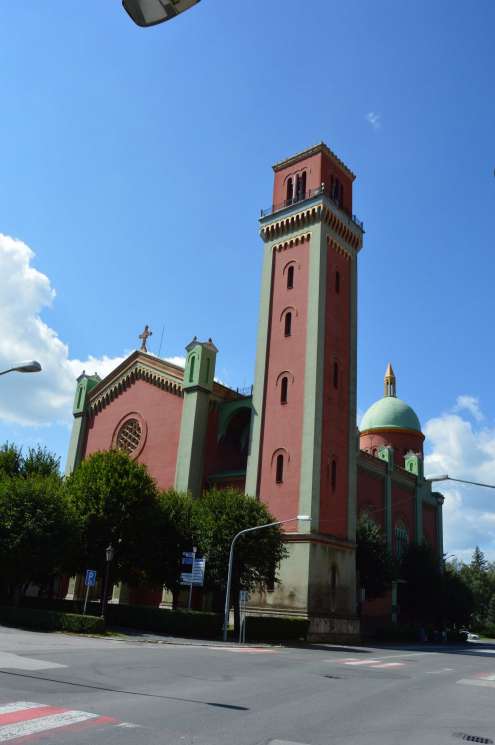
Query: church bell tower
[{"x": 303, "y": 447}]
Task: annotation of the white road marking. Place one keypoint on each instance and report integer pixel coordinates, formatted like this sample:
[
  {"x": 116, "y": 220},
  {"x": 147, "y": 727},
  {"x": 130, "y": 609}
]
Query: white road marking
[
  {"x": 484, "y": 683},
  {"x": 128, "y": 725},
  {"x": 389, "y": 664},
  {"x": 361, "y": 662},
  {"x": 437, "y": 672},
  {"x": 35, "y": 726},
  {"x": 285, "y": 742},
  {"x": 17, "y": 662}
]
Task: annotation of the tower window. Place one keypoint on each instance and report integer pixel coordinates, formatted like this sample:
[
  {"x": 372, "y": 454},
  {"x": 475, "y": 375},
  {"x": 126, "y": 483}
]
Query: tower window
[
  {"x": 191, "y": 369},
  {"x": 290, "y": 190},
  {"x": 283, "y": 390},
  {"x": 290, "y": 278},
  {"x": 288, "y": 324},
  {"x": 401, "y": 539},
  {"x": 279, "y": 475},
  {"x": 301, "y": 186},
  {"x": 79, "y": 398},
  {"x": 207, "y": 373},
  {"x": 335, "y": 375},
  {"x": 333, "y": 477},
  {"x": 337, "y": 282}
]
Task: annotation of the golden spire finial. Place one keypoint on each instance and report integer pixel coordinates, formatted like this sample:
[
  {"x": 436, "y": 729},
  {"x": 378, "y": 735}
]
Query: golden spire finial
[{"x": 390, "y": 382}]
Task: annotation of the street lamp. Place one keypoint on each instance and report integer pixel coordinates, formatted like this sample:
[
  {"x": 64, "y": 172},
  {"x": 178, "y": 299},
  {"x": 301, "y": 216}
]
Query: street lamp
[
  {"x": 24, "y": 367},
  {"x": 109, "y": 554},
  {"x": 150, "y": 12},
  {"x": 231, "y": 561},
  {"x": 445, "y": 477}
]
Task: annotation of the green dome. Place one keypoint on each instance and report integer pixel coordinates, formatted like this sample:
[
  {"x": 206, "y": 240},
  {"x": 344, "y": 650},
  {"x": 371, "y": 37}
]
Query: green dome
[{"x": 390, "y": 413}]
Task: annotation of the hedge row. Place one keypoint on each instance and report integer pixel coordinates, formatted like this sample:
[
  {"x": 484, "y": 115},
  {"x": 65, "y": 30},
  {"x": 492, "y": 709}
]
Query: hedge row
[
  {"x": 169, "y": 622},
  {"x": 270, "y": 628},
  {"x": 50, "y": 620}
]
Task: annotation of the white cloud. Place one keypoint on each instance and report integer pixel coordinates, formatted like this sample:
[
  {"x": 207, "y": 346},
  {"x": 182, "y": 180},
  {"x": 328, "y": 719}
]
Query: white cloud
[
  {"x": 464, "y": 450},
  {"x": 41, "y": 398},
  {"x": 471, "y": 404},
  {"x": 374, "y": 119}
]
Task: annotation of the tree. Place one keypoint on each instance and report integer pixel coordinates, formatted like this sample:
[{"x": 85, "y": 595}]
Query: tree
[
  {"x": 422, "y": 596},
  {"x": 10, "y": 460},
  {"x": 374, "y": 563},
  {"x": 38, "y": 532},
  {"x": 491, "y": 611},
  {"x": 41, "y": 462},
  {"x": 457, "y": 604},
  {"x": 480, "y": 578},
  {"x": 217, "y": 517},
  {"x": 118, "y": 503}
]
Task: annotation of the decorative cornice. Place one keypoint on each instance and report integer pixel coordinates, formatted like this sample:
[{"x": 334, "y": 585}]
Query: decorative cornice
[
  {"x": 137, "y": 367},
  {"x": 321, "y": 147},
  {"x": 380, "y": 430},
  {"x": 341, "y": 224}
]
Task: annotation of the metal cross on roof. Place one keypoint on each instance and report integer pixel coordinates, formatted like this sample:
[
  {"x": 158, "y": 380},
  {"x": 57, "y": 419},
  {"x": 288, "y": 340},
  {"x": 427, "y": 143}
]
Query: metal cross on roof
[{"x": 144, "y": 338}]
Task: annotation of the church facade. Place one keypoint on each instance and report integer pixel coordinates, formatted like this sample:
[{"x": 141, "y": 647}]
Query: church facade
[{"x": 292, "y": 440}]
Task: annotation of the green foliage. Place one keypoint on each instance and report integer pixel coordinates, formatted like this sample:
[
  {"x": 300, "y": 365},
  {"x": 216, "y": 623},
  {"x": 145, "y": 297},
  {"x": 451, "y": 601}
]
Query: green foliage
[
  {"x": 479, "y": 576},
  {"x": 162, "y": 621},
  {"x": 422, "y": 597},
  {"x": 172, "y": 534},
  {"x": 46, "y": 620},
  {"x": 10, "y": 460},
  {"x": 374, "y": 562},
  {"x": 117, "y": 503},
  {"x": 217, "y": 517},
  {"x": 491, "y": 611},
  {"x": 266, "y": 628},
  {"x": 38, "y": 531},
  {"x": 457, "y": 599}
]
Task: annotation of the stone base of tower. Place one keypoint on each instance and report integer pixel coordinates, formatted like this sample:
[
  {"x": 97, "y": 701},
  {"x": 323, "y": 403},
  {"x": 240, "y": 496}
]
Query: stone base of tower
[{"x": 316, "y": 581}]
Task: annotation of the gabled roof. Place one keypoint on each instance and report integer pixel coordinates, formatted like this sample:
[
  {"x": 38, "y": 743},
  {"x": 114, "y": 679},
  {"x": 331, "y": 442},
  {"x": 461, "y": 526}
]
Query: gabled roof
[{"x": 154, "y": 370}]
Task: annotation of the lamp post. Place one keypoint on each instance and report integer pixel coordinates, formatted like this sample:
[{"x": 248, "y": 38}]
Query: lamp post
[
  {"x": 231, "y": 562},
  {"x": 24, "y": 367},
  {"x": 150, "y": 12},
  {"x": 445, "y": 477},
  {"x": 109, "y": 554}
]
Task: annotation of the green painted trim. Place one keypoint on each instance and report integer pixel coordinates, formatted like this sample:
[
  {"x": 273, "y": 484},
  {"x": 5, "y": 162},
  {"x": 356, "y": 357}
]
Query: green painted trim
[
  {"x": 353, "y": 447},
  {"x": 190, "y": 454},
  {"x": 253, "y": 464},
  {"x": 388, "y": 500},
  {"x": 227, "y": 410},
  {"x": 309, "y": 485}
]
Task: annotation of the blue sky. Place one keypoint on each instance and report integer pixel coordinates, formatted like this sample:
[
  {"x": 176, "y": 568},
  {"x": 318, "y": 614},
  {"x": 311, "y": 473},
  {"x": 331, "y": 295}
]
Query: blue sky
[{"x": 134, "y": 164}]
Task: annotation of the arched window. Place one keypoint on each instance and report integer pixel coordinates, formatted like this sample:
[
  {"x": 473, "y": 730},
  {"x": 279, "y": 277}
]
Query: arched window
[
  {"x": 191, "y": 369},
  {"x": 401, "y": 539},
  {"x": 284, "y": 384},
  {"x": 290, "y": 190},
  {"x": 279, "y": 473},
  {"x": 337, "y": 282},
  {"x": 301, "y": 186},
  {"x": 288, "y": 324},
  {"x": 290, "y": 278},
  {"x": 334, "y": 475},
  {"x": 335, "y": 375}
]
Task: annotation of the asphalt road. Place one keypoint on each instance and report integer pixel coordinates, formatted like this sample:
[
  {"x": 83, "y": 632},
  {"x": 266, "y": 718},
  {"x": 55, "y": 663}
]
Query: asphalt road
[{"x": 59, "y": 689}]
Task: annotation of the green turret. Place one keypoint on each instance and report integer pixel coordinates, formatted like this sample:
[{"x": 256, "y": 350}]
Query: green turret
[{"x": 85, "y": 383}]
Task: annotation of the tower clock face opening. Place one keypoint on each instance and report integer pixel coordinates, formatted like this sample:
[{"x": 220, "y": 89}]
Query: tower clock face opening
[{"x": 150, "y": 12}]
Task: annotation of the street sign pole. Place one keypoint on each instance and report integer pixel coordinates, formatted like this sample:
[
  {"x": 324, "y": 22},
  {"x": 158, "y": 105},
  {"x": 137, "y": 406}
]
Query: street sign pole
[
  {"x": 89, "y": 581},
  {"x": 86, "y": 600},
  {"x": 191, "y": 583}
]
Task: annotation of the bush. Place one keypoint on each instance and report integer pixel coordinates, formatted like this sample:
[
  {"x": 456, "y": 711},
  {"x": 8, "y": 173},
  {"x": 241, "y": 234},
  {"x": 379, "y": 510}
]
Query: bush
[
  {"x": 50, "y": 620},
  {"x": 169, "y": 622},
  {"x": 486, "y": 630},
  {"x": 410, "y": 633},
  {"x": 270, "y": 628}
]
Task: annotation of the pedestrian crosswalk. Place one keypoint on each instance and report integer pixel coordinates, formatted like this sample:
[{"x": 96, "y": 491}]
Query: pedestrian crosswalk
[{"x": 21, "y": 719}]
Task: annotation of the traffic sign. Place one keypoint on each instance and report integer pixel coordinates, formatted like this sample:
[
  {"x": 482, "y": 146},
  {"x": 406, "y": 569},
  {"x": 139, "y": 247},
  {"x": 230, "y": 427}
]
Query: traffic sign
[
  {"x": 243, "y": 596},
  {"x": 90, "y": 580}
]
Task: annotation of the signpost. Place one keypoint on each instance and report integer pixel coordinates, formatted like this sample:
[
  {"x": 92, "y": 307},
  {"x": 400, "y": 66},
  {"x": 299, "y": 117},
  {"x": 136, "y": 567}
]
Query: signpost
[
  {"x": 89, "y": 581},
  {"x": 195, "y": 571},
  {"x": 243, "y": 598}
]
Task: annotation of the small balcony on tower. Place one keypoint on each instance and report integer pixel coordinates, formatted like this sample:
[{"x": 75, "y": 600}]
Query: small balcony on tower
[{"x": 310, "y": 195}]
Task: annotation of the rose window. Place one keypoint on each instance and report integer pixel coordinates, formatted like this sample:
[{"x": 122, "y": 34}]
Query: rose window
[{"x": 129, "y": 436}]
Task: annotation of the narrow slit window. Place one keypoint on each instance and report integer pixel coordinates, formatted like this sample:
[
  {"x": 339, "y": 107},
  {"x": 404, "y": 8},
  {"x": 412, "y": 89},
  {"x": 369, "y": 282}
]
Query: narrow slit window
[
  {"x": 303, "y": 185},
  {"x": 191, "y": 369},
  {"x": 334, "y": 475},
  {"x": 337, "y": 282},
  {"x": 335, "y": 375},
  {"x": 207, "y": 373},
  {"x": 279, "y": 476},
  {"x": 288, "y": 324},
  {"x": 290, "y": 278},
  {"x": 283, "y": 390},
  {"x": 290, "y": 190}
]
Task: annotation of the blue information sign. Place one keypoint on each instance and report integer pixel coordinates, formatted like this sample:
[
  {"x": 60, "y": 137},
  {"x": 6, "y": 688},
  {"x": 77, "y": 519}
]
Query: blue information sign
[{"x": 90, "y": 580}]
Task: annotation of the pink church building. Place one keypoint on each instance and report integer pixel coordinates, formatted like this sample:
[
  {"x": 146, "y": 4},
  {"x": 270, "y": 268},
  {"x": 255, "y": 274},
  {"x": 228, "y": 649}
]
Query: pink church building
[{"x": 291, "y": 441}]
